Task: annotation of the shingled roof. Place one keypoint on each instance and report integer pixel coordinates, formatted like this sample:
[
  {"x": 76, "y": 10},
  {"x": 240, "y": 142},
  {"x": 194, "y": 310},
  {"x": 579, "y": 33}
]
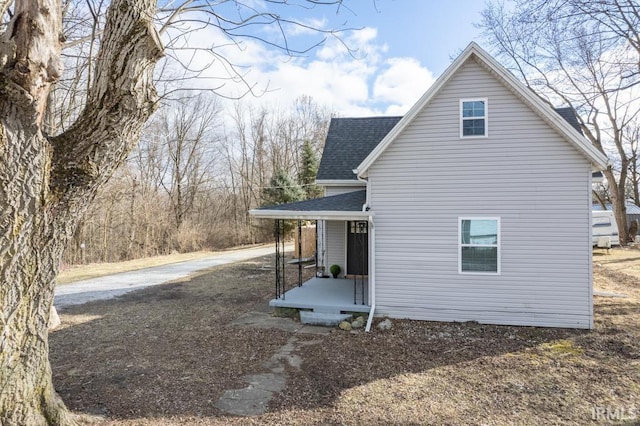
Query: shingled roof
[
  {"x": 569, "y": 114},
  {"x": 349, "y": 141},
  {"x": 349, "y": 202},
  {"x": 346, "y": 206}
]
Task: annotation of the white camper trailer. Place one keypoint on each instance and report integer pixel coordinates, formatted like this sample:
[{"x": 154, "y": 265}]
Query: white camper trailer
[{"x": 604, "y": 227}]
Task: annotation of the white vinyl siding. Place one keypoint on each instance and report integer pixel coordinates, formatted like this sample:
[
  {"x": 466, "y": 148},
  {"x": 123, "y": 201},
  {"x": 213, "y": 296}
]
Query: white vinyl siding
[
  {"x": 337, "y": 190},
  {"x": 336, "y": 248},
  {"x": 524, "y": 173},
  {"x": 336, "y": 244}
]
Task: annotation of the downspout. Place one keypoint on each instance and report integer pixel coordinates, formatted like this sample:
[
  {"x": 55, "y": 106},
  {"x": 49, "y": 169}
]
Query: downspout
[
  {"x": 590, "y": 249},
  {"x": 372, "y": 253},
  {"x": 372, "y": 267}
]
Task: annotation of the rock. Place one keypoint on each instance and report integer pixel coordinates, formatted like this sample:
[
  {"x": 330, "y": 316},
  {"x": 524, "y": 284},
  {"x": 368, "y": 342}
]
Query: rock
[
  {"x": 358, "y": 322},
  {"x": 345, "y": 325},
  {"x": 385, "y": 325},
  {"x": 54, "y": 319}
]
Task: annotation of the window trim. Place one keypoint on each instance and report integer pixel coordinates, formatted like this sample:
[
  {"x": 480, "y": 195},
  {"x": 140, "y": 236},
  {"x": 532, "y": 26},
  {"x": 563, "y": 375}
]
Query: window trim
[
  {"x": 485, "y": 117},
  {"x": 498, "y": 245}
]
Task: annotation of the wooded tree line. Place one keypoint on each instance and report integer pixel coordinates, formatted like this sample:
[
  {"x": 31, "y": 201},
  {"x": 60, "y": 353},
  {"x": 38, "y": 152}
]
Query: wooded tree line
[
  {"x": 198, "y": 167},
  {"x": 191, "y": 180}
]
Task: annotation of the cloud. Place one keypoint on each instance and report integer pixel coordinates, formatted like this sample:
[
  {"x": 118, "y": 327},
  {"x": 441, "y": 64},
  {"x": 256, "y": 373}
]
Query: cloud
[
  {"x": 400, "y": 83},
  {"x": 359, "y": 82}
]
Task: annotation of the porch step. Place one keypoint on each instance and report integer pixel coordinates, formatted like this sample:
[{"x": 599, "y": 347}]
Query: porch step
[{"x": 322, "y": 318}]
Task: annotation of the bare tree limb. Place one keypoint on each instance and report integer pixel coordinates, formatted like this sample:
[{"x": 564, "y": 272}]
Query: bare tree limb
[
  {"x": 30, "y": 54},
  {"x": 120, "y": 100}
]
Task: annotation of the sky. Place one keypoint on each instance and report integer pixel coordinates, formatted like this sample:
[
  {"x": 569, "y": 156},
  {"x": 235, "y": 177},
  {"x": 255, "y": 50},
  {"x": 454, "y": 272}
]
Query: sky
[{"x": 398, "y": 50}]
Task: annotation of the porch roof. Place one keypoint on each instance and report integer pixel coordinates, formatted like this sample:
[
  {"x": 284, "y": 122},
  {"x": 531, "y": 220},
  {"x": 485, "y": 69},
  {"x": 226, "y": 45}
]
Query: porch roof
[{"x": 346, "y": 206}]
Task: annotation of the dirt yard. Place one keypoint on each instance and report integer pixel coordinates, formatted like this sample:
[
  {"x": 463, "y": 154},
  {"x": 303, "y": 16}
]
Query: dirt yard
[{"x": 164, "y": 355}]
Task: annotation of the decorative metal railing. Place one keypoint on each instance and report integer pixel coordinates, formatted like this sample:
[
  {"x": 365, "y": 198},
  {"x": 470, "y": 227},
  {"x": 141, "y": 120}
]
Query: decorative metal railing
[
  {"x": 281, "y": 264},
  {"x": 280, "y": 259}
]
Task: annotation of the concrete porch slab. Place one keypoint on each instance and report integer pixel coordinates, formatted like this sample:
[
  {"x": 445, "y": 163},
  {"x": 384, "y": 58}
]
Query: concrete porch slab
[{"x": 326, "y": 295}]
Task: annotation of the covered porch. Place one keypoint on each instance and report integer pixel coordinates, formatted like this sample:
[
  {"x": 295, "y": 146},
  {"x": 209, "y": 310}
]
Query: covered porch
[
  {"x": 341, "y": 216},
  {"x": 327, "y": 295}
]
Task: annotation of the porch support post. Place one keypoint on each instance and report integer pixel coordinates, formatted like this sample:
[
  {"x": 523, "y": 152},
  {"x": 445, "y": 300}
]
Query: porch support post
[
  {"x": 365, "y": 255},
  {"x": 355, "y": 289},
  {"x": 299, "y": 253},
  {"x": 316, "y": 253},
  {"x": 276, "y": 236},
  {"x": 282, "y": 259}
]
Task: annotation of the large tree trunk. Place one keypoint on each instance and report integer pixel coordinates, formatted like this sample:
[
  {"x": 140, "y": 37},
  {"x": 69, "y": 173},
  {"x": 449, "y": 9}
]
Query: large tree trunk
[
  {"x": 47, "y": 183},
  {"x": 618, "y": 202},
  {"x": 29, "y": 252}
]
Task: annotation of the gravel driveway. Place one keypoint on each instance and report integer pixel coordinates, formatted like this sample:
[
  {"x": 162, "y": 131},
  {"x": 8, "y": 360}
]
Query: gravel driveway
[{"x": 118, "y": 284}]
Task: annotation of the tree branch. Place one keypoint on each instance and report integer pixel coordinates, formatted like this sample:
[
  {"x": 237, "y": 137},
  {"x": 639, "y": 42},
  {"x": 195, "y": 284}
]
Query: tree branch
[
  {"x": 120, "y": 100},
  {"x": 30, "y": 54}
]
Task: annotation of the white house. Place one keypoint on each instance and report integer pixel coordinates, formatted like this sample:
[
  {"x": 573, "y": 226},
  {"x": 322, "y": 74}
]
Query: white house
[{"x": 474, "y": 206}]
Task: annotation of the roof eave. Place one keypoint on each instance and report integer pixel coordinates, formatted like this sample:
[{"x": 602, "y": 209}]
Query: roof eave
[
  {"x": 340, "y": 182},
  {"x": 310, "y": 215}
]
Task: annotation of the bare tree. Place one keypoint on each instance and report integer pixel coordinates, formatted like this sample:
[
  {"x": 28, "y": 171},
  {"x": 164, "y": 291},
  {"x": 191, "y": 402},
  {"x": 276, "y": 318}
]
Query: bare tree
[
  {"x": 263, "y": 141},
  {"x": 616, "y": 20},
  {"x": 47, "y": 182},
  {"x": 583, "y": 54},
  {"x": 180, "y": 190},
  {"x": 187, "y": 134},
  {"x": 632, "y": 139}
]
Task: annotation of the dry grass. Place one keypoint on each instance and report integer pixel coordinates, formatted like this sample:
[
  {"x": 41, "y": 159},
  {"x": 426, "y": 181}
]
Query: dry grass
[
  {"x": 164, "y": 355},
  {"x": 620, "y": 259}
]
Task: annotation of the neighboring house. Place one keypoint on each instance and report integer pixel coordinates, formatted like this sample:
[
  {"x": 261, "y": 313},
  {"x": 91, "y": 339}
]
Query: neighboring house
[{"x": 474, "y": 206}]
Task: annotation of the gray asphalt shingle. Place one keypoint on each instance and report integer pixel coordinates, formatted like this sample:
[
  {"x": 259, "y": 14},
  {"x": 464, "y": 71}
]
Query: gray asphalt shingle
[
  {"x": 569, "y": 115},
  {"x": 348, "y": 143},
  {"x": 349, "y": 202}
]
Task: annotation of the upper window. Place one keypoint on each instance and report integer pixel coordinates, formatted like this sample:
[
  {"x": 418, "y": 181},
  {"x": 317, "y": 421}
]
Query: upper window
[
  {"x": 479, "y": 245},
  {"x": 473, "y": 118}
]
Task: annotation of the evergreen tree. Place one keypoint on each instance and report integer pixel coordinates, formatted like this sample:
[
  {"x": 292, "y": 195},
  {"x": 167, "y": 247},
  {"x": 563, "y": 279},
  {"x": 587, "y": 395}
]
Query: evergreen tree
[
  {"x": 282, "y": 189},
  {"x": 309, "y": 171}
]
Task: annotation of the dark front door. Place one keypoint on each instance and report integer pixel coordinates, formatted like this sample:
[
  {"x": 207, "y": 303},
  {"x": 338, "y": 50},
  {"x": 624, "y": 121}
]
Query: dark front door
[{"x": 358, "y": 248}]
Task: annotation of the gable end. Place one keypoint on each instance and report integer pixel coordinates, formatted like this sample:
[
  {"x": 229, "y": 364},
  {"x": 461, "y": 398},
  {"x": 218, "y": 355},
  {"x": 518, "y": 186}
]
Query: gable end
[{"x": 475, "y": 53}]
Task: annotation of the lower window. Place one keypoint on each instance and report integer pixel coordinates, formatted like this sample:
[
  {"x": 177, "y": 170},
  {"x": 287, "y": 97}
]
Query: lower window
[{"x": 479, "y": 245}]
